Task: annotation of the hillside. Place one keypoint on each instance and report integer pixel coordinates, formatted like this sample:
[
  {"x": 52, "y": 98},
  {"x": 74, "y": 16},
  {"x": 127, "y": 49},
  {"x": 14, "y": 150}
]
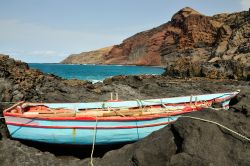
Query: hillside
[
  {"x": 92, "y": 57},
  {"x": 188, "y": 34}
]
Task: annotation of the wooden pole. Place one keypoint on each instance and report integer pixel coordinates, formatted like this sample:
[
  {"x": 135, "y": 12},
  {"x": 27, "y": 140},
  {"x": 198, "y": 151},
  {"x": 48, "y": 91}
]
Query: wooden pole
[
  {"x": 191, "y": 99},
  {"x": 117, "y": 98},
  {"x": 111, "y": 96}
]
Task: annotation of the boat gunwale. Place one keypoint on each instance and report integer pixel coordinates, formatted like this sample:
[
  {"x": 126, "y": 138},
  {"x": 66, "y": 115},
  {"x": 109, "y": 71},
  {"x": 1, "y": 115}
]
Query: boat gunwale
[
  {"x": 143, "y": 100},
  {"x": 113, "y": 118}
]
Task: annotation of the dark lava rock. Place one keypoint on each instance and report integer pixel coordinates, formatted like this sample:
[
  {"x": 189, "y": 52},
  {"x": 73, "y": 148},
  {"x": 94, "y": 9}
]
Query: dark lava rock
[
  {"x": 15, "y": 153},
  {"x": 220, "y": 69},
  {"x": 186, "y": 142},
  {"x": 189, "y": 142},
  {"x": 241, "y": 102}
]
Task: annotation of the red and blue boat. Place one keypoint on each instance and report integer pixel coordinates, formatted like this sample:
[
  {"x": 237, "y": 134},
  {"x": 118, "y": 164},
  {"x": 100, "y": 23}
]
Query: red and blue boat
[{"x": 110, "y": 122}]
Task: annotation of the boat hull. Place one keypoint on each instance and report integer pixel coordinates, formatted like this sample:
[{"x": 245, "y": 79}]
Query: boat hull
[{"x": 83, "y": 132}]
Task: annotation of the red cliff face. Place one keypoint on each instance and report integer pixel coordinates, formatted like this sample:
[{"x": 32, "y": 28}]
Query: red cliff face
[{"x": 187, "y": 29}]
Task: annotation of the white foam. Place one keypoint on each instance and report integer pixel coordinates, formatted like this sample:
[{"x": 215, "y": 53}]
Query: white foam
[{"x": 95, "y": 81}]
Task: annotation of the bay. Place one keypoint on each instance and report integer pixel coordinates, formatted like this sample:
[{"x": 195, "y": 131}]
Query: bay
[{"x": 94, "y": 73}]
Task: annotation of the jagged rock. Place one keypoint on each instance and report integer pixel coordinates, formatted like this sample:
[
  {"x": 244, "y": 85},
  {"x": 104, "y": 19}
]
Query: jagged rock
[
  {"x": 214, "y": 69},
  {"x": 188, "y": 142},
  {"x": 20, "y": 154},
  {"x": 181, "y": 15},
  {"x": 202, "y": 144},
  {"x": 241, "y": 102}
]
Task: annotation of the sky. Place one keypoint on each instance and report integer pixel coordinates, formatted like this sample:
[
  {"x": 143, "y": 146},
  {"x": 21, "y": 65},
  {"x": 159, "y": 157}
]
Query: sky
[{"x": 47, "y": 31}]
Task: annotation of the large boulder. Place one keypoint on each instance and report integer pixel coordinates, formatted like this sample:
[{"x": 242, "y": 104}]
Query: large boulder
[{"x": 219, "y": 69}]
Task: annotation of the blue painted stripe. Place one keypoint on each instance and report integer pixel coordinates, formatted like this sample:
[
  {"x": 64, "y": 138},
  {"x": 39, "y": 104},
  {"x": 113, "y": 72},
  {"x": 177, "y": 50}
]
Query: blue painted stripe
[{"x": 80, "y": 136}]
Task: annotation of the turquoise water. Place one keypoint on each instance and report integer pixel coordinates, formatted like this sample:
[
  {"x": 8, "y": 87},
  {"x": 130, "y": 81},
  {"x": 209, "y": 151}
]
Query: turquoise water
[{"x": 94, "y": 72}]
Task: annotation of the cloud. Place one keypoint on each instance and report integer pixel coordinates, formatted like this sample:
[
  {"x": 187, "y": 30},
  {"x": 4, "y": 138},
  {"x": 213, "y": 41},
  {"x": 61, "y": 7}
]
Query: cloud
[
  {"x": 245, "y": 4},
  {"x": 40, "y": 56},
  {"x": 31, "y": 42},
  {"x": 44, "y": 53}
]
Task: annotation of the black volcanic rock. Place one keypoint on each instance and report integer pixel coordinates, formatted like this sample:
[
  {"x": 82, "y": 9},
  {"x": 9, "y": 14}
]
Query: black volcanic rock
[
  {"x": 189, "y": 142},
  {"x": 186, "y": 142},
  {"x": 220, "y": 69}
]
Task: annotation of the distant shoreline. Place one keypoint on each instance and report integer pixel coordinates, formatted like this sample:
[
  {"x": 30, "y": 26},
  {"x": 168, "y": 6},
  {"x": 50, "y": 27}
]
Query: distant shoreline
[
  {"x": 93, "y": 72},
  {"x": 98, "y": 64}
]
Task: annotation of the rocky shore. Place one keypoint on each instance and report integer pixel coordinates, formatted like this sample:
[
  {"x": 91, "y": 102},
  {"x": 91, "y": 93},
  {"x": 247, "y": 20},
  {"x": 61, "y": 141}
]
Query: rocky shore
[
  {"x": 188, "y": 142},
  {"x": 185, "y": 142},
  {"x": 220, "y": 69}
]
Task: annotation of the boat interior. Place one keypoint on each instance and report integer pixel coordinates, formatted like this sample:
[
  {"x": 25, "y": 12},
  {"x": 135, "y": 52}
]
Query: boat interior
[{"x": 41, "y": 110}]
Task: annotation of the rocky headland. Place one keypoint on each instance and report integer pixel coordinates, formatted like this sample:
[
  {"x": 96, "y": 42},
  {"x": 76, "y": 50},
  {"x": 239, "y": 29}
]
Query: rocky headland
[
  {"x": 185, "y": 142},
  {"x": 189, "y": 34},
  {"x": 91, "y": 57}
]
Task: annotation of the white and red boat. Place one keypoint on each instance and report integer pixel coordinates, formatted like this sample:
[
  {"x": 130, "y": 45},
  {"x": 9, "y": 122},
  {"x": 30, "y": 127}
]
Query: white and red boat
[{"x": 112, "y": 121}]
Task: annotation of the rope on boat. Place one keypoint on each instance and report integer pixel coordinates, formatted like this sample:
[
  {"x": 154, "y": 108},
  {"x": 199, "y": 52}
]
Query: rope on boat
[
  {"x": 117, "y": 112},
  {"x": 222, "y": 126},
  {"x": 93, "y": 143},
  {"x": 139, "y": 102}
]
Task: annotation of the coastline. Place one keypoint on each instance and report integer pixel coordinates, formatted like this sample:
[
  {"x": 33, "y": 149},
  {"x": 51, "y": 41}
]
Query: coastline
[
  {"x": 94, "y": 72},
  {"x": 100, "y": 64}
]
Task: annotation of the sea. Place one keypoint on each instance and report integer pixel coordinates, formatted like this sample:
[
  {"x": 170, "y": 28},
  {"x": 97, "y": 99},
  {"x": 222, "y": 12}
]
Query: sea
[{"x": 94, "y": 73}]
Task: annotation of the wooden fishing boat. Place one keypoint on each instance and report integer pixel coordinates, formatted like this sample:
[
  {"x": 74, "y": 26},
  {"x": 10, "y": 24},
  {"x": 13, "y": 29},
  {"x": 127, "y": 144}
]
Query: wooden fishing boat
[{"x": 108, "y": 122}]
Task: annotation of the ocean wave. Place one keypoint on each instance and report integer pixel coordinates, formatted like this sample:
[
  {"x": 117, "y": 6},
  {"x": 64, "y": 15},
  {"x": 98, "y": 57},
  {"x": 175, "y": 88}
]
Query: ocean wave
[{"x": 95, "y": 81}]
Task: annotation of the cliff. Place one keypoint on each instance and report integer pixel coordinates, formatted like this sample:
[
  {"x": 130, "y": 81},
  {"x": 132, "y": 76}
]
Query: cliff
[{"x": 188, "y": 34}]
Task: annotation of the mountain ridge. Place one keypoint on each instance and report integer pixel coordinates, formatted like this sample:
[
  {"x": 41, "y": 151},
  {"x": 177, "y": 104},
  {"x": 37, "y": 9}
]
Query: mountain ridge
[{"x": 94, "y": 57}]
